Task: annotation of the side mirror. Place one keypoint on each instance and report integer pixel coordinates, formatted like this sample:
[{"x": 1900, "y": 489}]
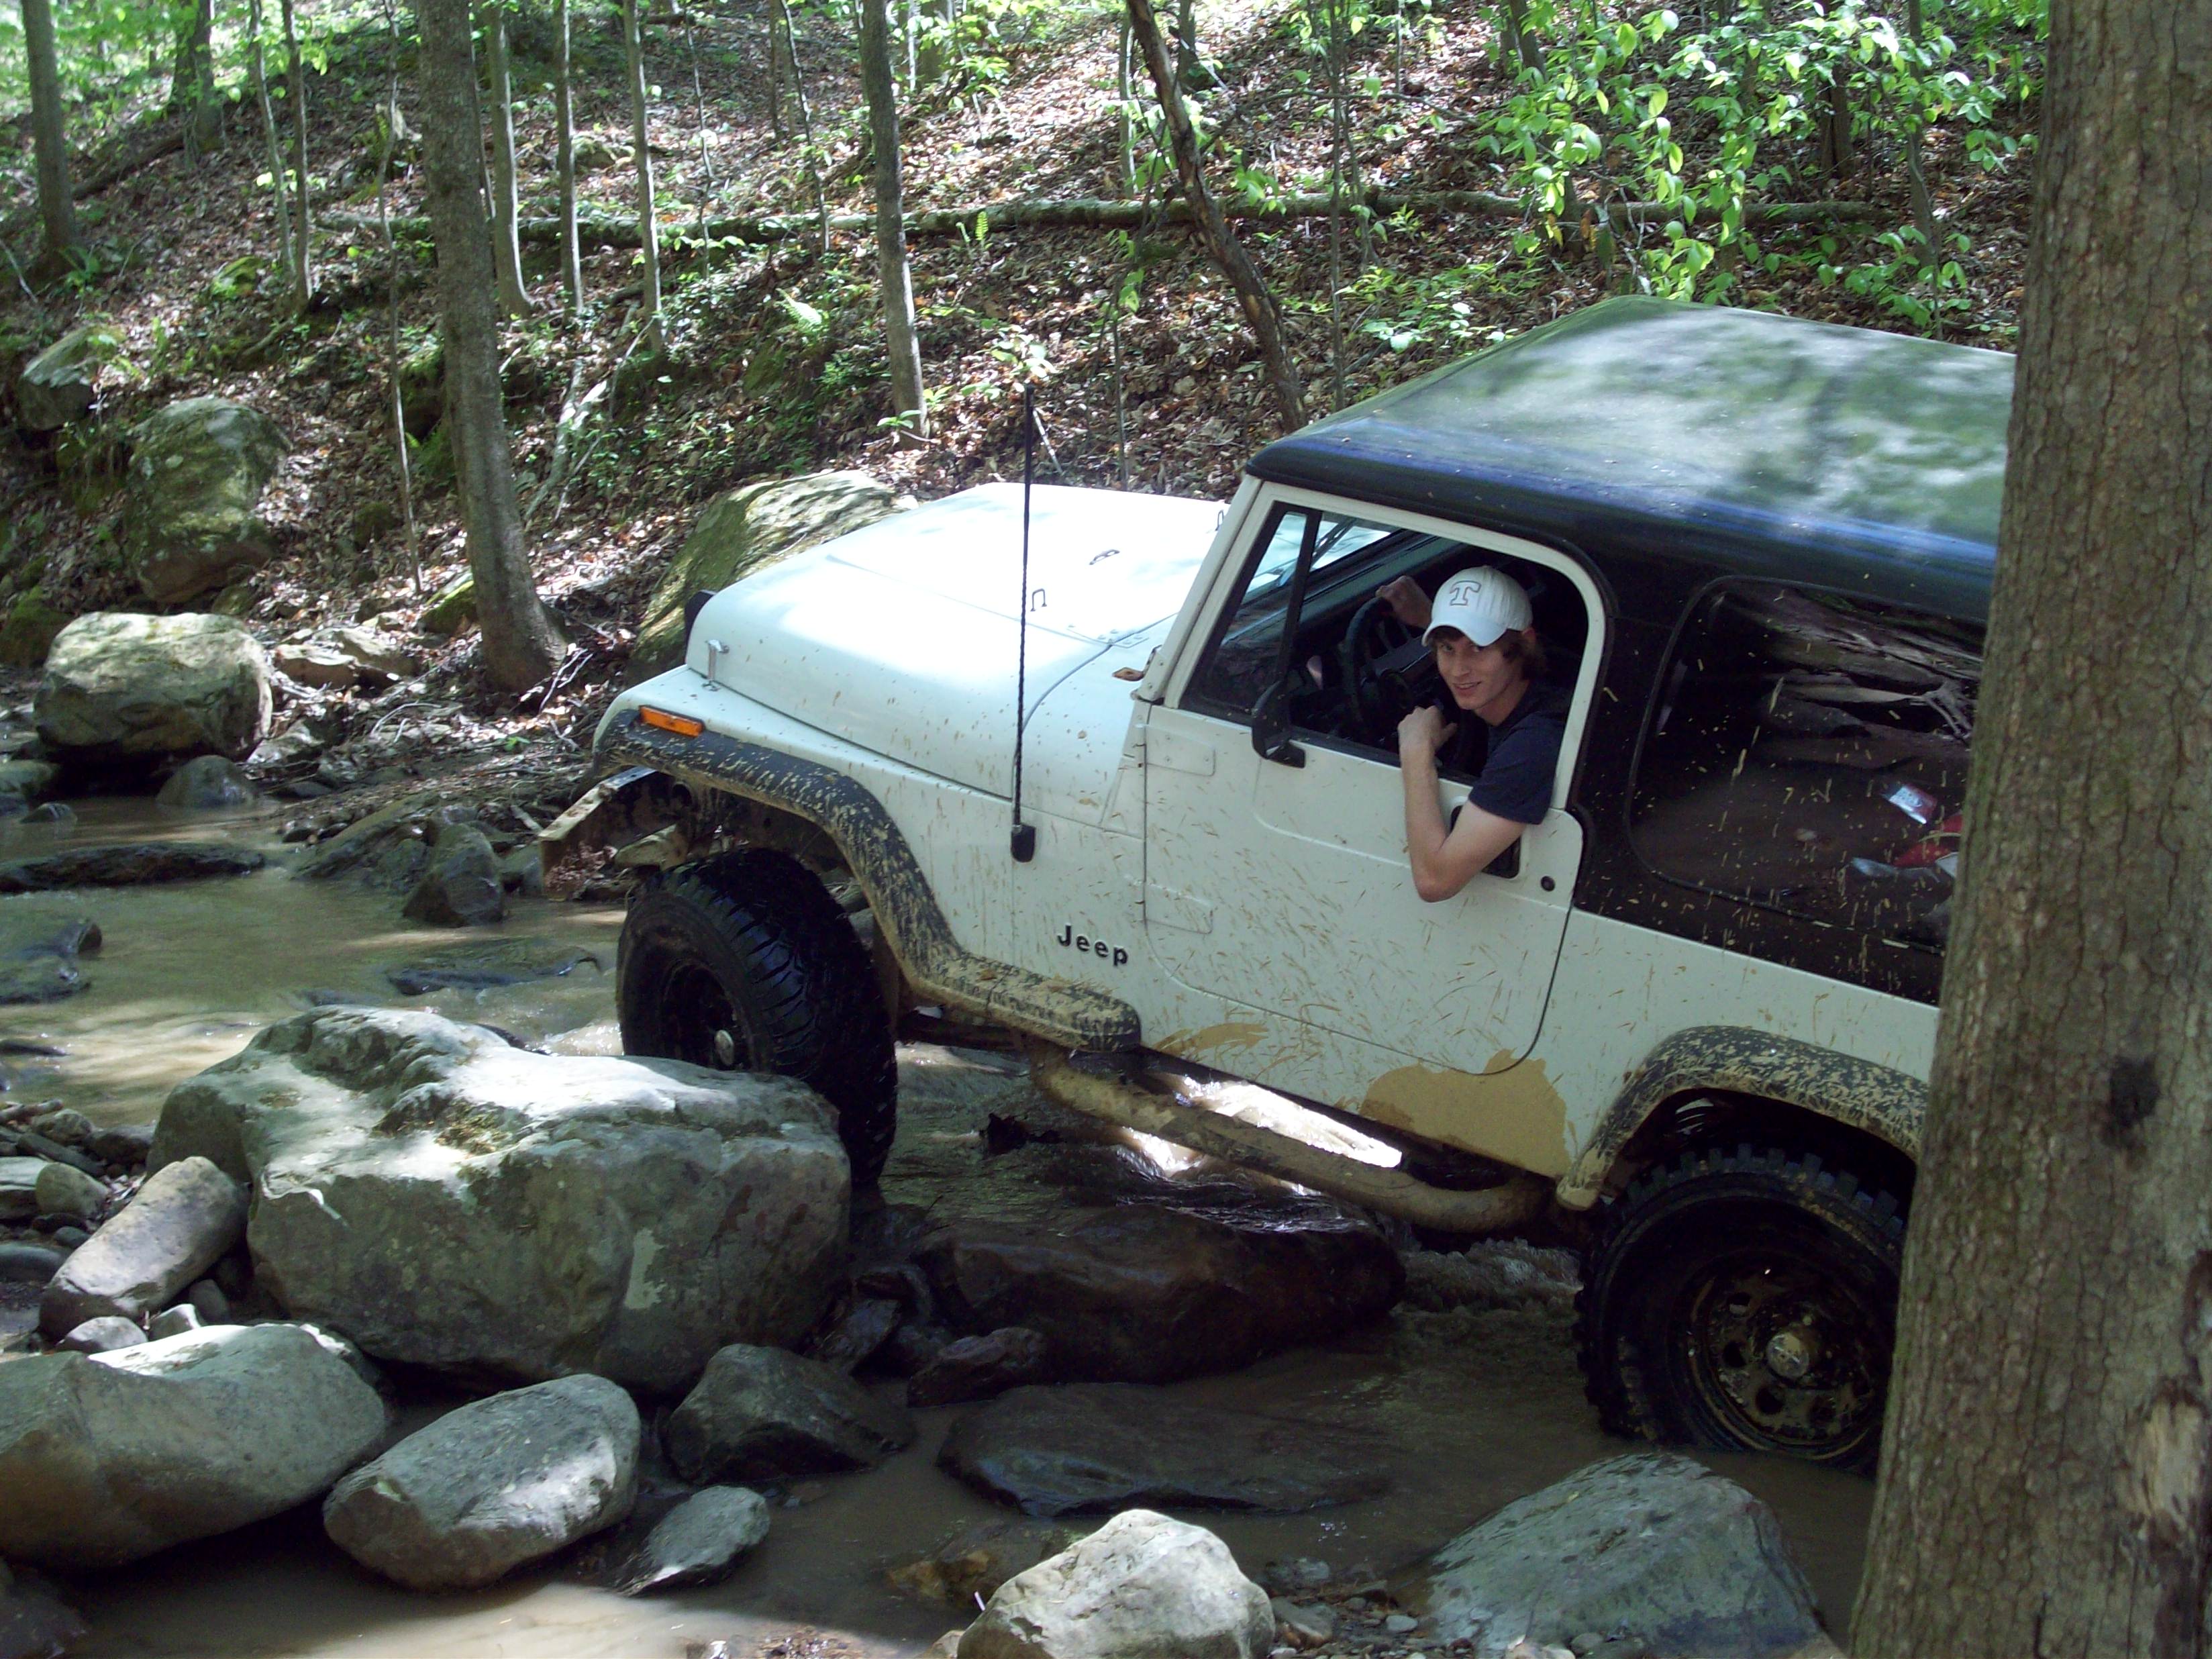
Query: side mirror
[{"x": 1271, "y": 726}]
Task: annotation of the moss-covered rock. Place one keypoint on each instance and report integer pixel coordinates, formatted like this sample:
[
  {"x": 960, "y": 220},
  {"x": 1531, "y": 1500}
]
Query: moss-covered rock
[
  {"x": 56, "y": 386},
  {"x": 423, "y": 389},
  {"x": 451, "y": 608},
  {"x": 749, "y": 528},
  {"x": 123, "y": 687},
  {"x": 198, "y": 469},
  {"x": 27, "y": 630}
]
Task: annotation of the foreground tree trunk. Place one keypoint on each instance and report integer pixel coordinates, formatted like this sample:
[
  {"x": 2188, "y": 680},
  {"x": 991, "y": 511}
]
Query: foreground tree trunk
[
  {"x": 303, "y": 266},
  {"x": 1252, "y": 295},
  {"x": 49, "y": 133},
  {"x": 513, "y": 297},
  {"x": 564, "y": 164},
  {"x": 2047, "y": 1471},
  {"x": 891, "y": 267},
  {"x": 520, "y": 644},
  {"x": 649, "y": 230},
  {"x": 191, "y": 79}
]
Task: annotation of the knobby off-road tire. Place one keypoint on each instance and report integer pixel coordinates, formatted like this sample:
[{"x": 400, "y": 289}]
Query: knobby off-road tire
[
  {"x": 744, "y": 962},
  {"x": 1744, "y": 1301}
]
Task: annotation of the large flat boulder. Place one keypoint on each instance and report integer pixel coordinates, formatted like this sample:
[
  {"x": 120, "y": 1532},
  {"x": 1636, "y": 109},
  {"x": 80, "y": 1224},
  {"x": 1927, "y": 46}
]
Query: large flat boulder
[
  {"x": 1650, "y": 1546},
  {"x": 136, "y": 864},
  {"x": 1138, "y": 1293},
  {"x": 448, "y": 1200},
  {"x": 198, "y": 469},
  {"x": 120, "y": 686},
  {"x": 764, "y": 1414},
  {"x": 497, "y": 1483},
  {"x": 106, "y": 1458},
  {"x": 181, "y": 1222},
  {"x": 748, "y": 529},
  {"x": 1142, "y": 1586},
  {"x": 1091, "y": 1447}
]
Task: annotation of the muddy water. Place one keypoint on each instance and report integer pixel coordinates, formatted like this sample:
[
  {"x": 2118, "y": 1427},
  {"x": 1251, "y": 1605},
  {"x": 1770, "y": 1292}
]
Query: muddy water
[{"x": 1478, "y": 1404}]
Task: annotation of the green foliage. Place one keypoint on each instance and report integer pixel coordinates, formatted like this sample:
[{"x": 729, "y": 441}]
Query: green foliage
[{"x": 1695, "y": 123}]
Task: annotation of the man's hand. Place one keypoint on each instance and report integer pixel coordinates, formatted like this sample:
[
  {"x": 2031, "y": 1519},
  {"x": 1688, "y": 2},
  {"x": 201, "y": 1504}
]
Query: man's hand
[
  {"x": 1423, "y": 733},
  {"x": 1407, "y": 603}
]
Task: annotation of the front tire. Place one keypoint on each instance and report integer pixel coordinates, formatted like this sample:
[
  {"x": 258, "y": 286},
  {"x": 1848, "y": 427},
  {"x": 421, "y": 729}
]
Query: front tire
[
  {"x": 744, "y": 962},
  {"x": 1745, "y": 1301}
]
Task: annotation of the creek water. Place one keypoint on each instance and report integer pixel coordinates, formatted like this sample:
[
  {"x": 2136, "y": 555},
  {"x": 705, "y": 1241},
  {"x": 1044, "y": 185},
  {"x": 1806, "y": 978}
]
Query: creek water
[{"x": 1478, "y": 1404}]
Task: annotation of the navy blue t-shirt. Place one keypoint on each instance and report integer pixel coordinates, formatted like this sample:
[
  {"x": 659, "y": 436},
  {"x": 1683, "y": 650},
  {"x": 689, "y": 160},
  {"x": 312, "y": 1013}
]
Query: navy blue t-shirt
[{"x": 1512, "y": 762}]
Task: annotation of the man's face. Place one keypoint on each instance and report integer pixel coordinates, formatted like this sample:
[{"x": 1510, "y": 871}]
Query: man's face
[{"x": 1478, "y": 676}]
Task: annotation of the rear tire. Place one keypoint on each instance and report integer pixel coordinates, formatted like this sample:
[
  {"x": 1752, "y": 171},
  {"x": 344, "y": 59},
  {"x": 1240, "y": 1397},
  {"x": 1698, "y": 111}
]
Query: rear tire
[
  {"x": 1744, "y": 1301},
  {"x": 744, "y": 962}
]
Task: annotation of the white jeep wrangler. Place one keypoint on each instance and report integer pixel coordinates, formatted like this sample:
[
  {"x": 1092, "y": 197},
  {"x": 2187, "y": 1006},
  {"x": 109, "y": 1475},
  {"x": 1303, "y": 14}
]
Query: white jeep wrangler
[{"x": 1688, "y": 1017}]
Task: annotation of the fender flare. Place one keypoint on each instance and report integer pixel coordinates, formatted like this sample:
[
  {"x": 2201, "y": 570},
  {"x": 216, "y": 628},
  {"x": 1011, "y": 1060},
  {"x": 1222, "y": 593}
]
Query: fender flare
[
  {"x": 1876, "y": 1100},
  {"x": 873, "y": 846}
]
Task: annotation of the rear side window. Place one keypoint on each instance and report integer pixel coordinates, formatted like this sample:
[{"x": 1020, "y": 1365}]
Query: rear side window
[{"x": 1808, "y": 752}]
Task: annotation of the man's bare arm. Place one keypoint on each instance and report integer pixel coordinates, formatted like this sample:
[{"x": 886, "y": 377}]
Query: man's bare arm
[{"x": 1444, "y": 860}]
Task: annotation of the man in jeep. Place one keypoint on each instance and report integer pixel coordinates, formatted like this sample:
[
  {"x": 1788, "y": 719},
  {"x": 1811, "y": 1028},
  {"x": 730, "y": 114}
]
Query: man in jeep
[{"x": 1480, "y": 628}]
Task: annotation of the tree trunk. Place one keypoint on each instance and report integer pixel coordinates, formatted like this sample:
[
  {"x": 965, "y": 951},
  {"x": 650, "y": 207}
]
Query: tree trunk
[
  {"x": 1916, "y": 174},
  {"x": 256, "y": 55},
  {"x": 392, "y": 352},
  {"x": 1252, "y": 295},
  {"x": 2046, "y": 1482},
  {"x": 1188, "y": 67},
  {"x": 191, "y": 79},
  {"x": 1526, "y": 46},
  {"x": 648, "y": 231},
  {"x": 564, "y": 164},
  {"x": 49, "y": 134},
  {"x": 507, "y": 251},
  {"x": 891, "y": 267},
  {"x": 1126, "y": 117},
  {"x": 520, "y": 645},
  {"x": 808, "y": 148},
  {"x": 303, "y": 269}
]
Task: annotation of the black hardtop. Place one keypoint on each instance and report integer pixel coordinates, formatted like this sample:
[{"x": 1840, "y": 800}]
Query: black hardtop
[{"x": 1706, "y": 440}]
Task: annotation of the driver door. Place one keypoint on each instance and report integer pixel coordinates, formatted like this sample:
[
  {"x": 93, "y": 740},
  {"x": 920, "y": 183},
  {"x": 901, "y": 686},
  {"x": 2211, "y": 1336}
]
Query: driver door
[{"x": 1282, "y": 884}]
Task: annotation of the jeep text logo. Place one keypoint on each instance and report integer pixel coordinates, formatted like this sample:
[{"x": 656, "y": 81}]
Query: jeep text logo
[{"x": 1093, "y": 947}]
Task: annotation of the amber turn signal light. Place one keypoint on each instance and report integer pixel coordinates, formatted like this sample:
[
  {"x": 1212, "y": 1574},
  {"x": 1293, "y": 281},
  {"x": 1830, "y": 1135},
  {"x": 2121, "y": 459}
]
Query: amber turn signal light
[{"x": 682, "y": 724}]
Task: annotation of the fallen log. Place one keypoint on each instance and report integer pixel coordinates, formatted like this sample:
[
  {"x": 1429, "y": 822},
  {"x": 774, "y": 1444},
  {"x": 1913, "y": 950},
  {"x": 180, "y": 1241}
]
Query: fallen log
[{"x": 1086, "y": 213}]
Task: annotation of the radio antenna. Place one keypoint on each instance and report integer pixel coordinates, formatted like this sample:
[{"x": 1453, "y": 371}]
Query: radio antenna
[{"x": 1023, "y": 840}]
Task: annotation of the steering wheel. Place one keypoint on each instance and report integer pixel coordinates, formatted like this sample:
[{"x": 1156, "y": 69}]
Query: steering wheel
[{"x": 1373, "y": 633}]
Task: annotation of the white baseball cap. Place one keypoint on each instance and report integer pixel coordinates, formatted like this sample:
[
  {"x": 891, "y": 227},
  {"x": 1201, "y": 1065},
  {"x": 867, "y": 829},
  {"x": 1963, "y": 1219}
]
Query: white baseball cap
[{"x": 1483, "y": 602}]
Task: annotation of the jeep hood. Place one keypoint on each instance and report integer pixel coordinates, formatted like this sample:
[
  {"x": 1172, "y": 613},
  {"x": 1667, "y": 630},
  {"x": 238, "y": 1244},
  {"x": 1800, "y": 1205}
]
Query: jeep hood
[{"x": 903, "y": 637}]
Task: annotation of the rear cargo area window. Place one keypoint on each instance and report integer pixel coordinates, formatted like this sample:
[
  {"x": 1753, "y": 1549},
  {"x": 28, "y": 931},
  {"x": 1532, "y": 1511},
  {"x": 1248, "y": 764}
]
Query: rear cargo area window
[{"x": 1809, "y": 751}]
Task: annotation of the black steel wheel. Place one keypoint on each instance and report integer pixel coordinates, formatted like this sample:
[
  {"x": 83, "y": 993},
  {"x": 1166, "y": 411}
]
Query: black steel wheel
[
  {"x": 744, "y": 962},
  {"x": 1744, "y": 1301}
]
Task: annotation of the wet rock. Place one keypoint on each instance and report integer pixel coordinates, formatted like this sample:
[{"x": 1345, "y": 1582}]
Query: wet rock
[
  {"x": 39, "y": 957},
  {"x": 447, "y": 1199},
  {"x": 19, "y": 1188},
  {"x": 699, "y": 1540},
  {"x": 355, "y": 849},
  {"x": 1141, "y": 1294},
  {"x": 208, "y": 783},
  {"x": 119, "y": 686},
  {"x": 198, "y": 469},
  {"x": 67, "y": 1127},
  {"x": 866, "y": 1325},
  {"x": 968, "y": 1568},
  {"x": 1296, "y": 1576},
  {"x": 764, "y": 1414},
  {"x": 1142, "y": 1587},
  {"x": 138, "y": 865},
  {"x": 56, "y": 386},
  {"x": 495, "y": 1484},
  {"x": 748, "y": 529},
  {"x": 345, "y": 656},
  {"x": 980, "y": 1367},
  {"x": 23, "y": 1261},
  {"x": 36, "y": 1623},
  {"x": 31, "y": 1142},
  {"x": 26, "y": 782},
  {"x": 479, "y": 967},
  {"x": 174, "y": 1321},
  {"x": 66, "y": 1192},
  {"x": 1662, "y": 1550},
  {"x": 461, "y": 888},
  {"x": 1099, "y": 1446},
  {"x": 209, "y": 1302},
  {"x": 122, "y": 1143},
  {"x": 1306, "y": 1625},
  {"x": 105, "y": 1334},
  {"x": 909, "y": 1348},
  {"x": 108, "y": 1458},
  {"x": 179, "y": 1225}
]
